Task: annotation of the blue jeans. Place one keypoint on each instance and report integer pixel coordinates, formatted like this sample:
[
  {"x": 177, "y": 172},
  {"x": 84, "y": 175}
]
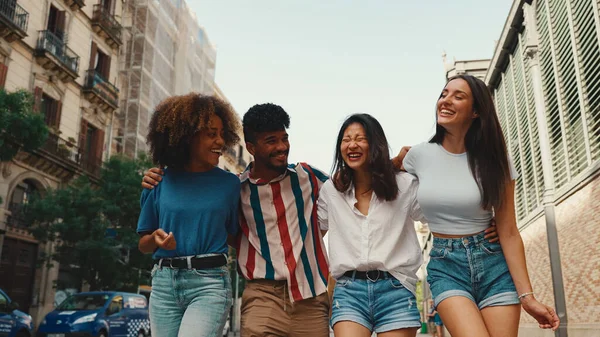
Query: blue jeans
[
  {"x": 380, "y": 306},
  {"x": 189, "y": 302},
  {"x": 471, "y": 267}
]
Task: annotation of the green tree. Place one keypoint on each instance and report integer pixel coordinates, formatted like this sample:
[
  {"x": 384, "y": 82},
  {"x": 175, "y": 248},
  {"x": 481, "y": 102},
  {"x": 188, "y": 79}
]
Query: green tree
[
  {"x": 20, "y": 127},
  {"x": 92, "y": 228}
]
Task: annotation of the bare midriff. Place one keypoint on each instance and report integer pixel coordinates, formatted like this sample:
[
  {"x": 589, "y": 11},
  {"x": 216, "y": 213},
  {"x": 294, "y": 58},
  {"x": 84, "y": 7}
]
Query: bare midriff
[{"x": 451, "y": 236}]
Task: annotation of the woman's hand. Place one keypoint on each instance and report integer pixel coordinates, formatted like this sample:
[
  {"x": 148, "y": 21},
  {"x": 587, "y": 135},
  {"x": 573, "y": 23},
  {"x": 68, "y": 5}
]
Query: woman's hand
[
  {"x": 164, "y": 240},
  {"x": 152, "y": 177},
  {"x": 399, "y": 159},
  {"x": 543, "y": 314}
]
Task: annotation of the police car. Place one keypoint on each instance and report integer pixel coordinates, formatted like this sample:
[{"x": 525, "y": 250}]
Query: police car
[
  {"x": 98, "y": 314},
  {"x": 13, "y": 323}
]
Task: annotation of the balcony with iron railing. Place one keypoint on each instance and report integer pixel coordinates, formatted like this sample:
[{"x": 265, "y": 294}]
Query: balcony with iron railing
[
  {"x": 98, "y": 90},
  {"x": 67, "y": 151},
  {"x": 105, "y": 24},
  {"x": 13, "y": 20},
  {"x": 52, "y": 53}
]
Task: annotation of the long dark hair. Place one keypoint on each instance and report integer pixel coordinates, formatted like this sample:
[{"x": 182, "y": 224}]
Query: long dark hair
[
  {"x": 383, "y": 175},
  {"x": 485, "y": 144}
]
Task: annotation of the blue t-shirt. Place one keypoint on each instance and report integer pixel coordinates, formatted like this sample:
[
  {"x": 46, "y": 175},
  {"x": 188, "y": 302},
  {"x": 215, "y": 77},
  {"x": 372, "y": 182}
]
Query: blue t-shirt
[{"x": 200, "y": 208}]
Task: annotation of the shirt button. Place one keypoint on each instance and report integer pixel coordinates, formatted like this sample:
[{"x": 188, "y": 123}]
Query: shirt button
[
  {"x": 285, "y": 263},
  {"x": 281, "y": 243}
]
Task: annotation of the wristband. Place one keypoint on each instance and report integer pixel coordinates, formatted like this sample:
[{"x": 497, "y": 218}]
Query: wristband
[{"x": 525, "y": 295}]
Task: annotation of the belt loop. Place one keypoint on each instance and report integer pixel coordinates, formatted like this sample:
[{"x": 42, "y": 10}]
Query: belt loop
[
  {"x": 353, "y": 275},
  {"x": 160, "y": 264},
  {"x": 284, "y": 293},
  {"x": 189, "y": 261}
]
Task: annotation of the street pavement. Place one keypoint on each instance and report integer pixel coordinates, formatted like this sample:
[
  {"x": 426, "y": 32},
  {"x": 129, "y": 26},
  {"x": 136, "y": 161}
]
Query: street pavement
[{"x": 331, "y": 335}]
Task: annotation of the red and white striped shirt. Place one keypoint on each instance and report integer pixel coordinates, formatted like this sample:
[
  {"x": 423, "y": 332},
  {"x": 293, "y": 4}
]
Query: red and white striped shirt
[{"x": 280, "y": 237}]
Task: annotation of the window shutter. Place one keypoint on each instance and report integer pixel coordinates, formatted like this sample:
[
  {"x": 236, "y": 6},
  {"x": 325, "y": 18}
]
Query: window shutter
[
  {"x": 106, "y": 71},
  {"x": 50, "y": 112},
  {"x": 60, "y": 24},
  {"x": 568, "y": 39},
  {"x": 587, "y": 37},
  {"x": 82, "y": 135},
  {"x": 93, "y": 55},
  {"x": 548, "y": 69},
  {"x": 37, "y": 99},
  {"x": 98, "y": 146},
  {"x": 57, "y": 114},
  {"x": 3, "y": 72}
]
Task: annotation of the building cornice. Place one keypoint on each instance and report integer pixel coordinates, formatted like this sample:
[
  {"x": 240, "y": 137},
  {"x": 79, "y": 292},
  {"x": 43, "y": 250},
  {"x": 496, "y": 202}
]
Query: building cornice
[{"x": 507, "y": 42}]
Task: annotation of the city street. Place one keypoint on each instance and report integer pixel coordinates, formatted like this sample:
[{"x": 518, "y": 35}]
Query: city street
[
  {"x": 331, "y": 335},
  {"x": 499, "y": 102}
]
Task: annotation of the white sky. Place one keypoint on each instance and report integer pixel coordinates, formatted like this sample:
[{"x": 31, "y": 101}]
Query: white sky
[{"x": 322, "y": 60}]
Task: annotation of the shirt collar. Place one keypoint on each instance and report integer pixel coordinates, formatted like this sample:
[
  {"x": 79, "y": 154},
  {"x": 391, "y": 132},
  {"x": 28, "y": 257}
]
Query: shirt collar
[{"x": 245, "y": 176}]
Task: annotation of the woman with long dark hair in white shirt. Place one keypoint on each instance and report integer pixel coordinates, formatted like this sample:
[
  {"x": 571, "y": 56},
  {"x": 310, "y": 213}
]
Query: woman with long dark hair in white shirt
[{"x": 368, "y": 210}]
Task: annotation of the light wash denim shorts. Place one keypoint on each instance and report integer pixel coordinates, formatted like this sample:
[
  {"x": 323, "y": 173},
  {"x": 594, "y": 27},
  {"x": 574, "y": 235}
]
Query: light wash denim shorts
[
  {"x": 380, "y": 306},
  {"x": 471, "y": 267}
]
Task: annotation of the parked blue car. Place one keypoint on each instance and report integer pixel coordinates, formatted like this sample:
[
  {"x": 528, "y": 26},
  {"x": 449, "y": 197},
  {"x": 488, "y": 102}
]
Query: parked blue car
[
  {"x": 98, "y": 314},
  {"x": 13, "y": 323}
]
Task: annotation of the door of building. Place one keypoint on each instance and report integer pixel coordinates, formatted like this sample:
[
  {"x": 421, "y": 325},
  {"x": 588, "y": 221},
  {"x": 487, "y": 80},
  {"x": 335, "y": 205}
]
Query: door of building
[{"x": 17, "y": 270}]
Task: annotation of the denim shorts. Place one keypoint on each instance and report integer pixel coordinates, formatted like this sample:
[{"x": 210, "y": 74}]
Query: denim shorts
[
  {"x": 471, "y": 267},
  {"x": 380, "y": 306}
]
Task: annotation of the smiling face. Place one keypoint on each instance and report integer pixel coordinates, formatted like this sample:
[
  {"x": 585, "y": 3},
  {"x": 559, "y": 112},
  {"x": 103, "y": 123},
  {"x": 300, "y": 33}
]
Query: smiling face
[
  {"x": 207, "y": 144},
  {"x": 455, "y": 106},
  {"x": 354, "y": 147},
  {"x": 271, "y": 149}
]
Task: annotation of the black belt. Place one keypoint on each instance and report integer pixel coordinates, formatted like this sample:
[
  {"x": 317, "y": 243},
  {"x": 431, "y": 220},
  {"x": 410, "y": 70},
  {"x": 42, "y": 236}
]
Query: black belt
[
  {"x": 205, "y": 262},
  {"x": 372, "y": 275}
]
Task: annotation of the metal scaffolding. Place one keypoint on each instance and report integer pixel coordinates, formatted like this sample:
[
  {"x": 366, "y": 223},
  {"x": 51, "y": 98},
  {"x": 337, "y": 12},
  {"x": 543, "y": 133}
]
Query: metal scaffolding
[{"x": 166, "y": 52}]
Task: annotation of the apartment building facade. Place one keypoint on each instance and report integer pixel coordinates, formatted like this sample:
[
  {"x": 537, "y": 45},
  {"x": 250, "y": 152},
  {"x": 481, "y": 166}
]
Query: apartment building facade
[
  {"x": 66, "y": 53},
  {"x": 545, "y": 76}
]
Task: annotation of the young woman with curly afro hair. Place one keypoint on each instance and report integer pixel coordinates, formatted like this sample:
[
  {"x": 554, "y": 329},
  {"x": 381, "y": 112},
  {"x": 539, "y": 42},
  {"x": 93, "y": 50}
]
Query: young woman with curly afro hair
[{"x": 185, "y": 221}]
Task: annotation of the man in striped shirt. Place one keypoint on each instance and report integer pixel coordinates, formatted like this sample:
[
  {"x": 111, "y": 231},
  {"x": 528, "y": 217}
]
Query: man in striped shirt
[
  {"x": 280, "y": 251},
  {"x": 280, "y": 248}
]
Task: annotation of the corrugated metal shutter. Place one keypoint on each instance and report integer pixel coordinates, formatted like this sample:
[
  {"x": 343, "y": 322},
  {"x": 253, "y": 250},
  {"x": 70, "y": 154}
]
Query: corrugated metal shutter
[
  {"x": 570, "y": 58},
  {"x": 586, "y": 24}
]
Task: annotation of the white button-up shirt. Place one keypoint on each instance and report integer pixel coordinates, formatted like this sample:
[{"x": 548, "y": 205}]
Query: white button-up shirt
[{"x": 385, "y": 239}]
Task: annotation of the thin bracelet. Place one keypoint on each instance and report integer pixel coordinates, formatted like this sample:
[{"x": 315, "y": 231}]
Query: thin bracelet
[{"x": 525, "y": 295}]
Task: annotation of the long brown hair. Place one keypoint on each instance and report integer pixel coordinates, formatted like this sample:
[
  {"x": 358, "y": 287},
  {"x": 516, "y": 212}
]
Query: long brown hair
[
  {"x": 485, "y": 144},
  {"x": 383, "y": 175}
]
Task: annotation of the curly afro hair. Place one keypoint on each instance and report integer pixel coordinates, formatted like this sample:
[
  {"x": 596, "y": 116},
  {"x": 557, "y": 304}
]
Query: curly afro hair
[
  {"x": 266, "y": 117},
  {"x": 177, "y": 118}
]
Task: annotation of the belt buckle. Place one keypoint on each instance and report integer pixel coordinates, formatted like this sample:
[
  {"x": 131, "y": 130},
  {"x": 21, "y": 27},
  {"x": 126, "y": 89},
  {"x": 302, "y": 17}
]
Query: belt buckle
[{"x": 369, "y": 277}]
